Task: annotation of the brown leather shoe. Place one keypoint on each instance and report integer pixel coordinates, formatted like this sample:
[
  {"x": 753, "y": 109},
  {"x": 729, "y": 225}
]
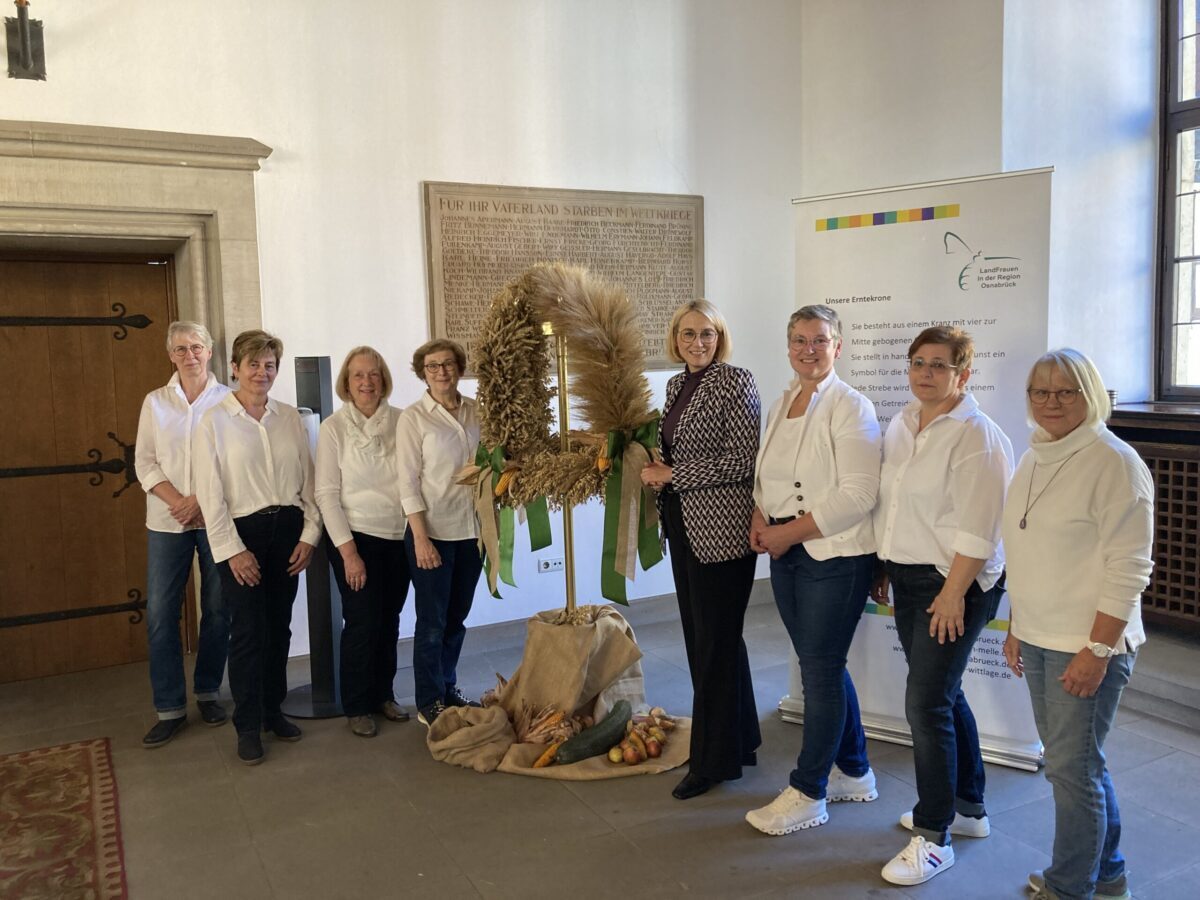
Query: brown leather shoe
[
  {"x": 391, "y": 711},
  {"x": 363, "y": 726}
]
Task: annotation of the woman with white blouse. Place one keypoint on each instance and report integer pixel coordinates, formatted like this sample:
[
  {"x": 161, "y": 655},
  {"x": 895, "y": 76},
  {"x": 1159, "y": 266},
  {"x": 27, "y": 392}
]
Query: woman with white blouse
[
  {"x": 254, "y": 481},
  {"x": 358, "y": 493},
  {"x": 175, "y": 534},
  {"x": 438, "y": 435},
  {"x": 945, "y": 469},
  {"x": 1078, "y": 532},
  {"x": 816, "y": 481}
]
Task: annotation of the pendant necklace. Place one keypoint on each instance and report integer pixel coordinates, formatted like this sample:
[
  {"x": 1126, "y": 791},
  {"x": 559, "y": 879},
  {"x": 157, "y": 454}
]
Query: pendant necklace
[{"x": 1028, "y": 505}]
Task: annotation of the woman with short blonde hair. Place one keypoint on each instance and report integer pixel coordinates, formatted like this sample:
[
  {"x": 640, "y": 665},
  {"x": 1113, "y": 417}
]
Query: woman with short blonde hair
[
  {"x": 708, "y": 439},
  {"x": 358, "y": 491},
  {"x": 1078, "y": 534}
]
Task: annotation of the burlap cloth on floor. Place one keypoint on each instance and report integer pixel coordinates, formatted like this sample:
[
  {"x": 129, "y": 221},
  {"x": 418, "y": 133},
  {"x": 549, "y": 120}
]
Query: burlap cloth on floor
[
  {"x": 471, "y": 737},
  {"x": 520, "y": 758},
  {"x": 583, "y": 664}
]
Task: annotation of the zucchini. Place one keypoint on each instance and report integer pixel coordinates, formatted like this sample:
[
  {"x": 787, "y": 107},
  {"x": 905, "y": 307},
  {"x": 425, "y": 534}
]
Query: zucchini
[{"x": 599, "y": 738}]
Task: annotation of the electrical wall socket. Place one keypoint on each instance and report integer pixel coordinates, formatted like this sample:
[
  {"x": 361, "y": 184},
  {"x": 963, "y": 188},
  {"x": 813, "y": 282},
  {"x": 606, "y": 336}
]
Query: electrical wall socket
[{"x": 550, "y": 565}]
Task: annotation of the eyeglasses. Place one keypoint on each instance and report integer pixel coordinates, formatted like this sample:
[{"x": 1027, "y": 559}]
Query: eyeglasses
[
  {"x": 818, "y": 344},
  {"x": 194, "y": 349},
  {"x": 936, "y": 366},
  {"x": 707, "y": 336},
  {"x": 1065, "y": 397},
  {"x": 444, "y": 366}
]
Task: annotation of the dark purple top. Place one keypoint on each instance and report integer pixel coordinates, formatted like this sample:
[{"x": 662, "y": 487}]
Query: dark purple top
[{"x": 691, "y": 381}]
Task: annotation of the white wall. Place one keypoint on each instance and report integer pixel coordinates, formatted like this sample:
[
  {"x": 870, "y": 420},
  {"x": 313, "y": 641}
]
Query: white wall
[
  {"x": 1081, "y": 94},
  {"x": 363, "y": 99}
]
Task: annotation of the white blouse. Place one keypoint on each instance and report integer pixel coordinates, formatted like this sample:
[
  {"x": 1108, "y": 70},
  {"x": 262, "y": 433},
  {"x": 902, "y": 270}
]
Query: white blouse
[
  {"x": 164, "y": 444},
  {"x": 828, "y": 465},
  {"x": 358, "y": 475},
  {"x": 243, "y": 466},
  {"x": 942, "y": 491},
  {"x": 433, "y": 444}
]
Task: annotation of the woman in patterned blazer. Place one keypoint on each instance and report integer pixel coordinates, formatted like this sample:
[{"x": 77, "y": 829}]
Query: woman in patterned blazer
[{"x": 709, "y": 440}]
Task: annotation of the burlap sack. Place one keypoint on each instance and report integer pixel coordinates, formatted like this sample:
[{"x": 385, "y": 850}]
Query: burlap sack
[
  {"x": 471, "y": 737},
  {"x": 568, "y": 666},
  {"x": 520, "y": 758}
]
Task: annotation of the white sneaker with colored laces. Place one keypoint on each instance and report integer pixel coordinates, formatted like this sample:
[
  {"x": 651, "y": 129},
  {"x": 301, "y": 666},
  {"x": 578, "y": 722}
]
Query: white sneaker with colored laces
[
  {"x": 967, "y": 826},
  {"x": 918, "y": 862},
  {"x": 790, "y": 811},
  {"x": 846, "y": 787}
]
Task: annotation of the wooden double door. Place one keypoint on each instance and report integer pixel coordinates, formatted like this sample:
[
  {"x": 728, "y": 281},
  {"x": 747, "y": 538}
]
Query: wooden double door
[{"x": 82, "y": 341}]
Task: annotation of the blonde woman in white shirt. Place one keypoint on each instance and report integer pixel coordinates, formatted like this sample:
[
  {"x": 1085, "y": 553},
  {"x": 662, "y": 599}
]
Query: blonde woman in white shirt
[
  {"x": 1078, "y": 532},
  {"x": 945, "y": 469},
  {"x": 816, "y": 481},
  {"x": 254, "y": 480},
  {"x": 438, "y": 436},
  {"x": 176, "y": 534},
  {"x": 358, "y": 492}
]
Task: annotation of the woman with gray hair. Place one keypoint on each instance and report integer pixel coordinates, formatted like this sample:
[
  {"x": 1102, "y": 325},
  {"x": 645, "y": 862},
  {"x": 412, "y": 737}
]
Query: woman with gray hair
[
  {"x": 254, "y": 481},
  {"x": 1078, "y": 531},
  {"x": 816, "y": 482},
  {"x": 358, "y": 492},
  {"x": 175, "y": 533}
]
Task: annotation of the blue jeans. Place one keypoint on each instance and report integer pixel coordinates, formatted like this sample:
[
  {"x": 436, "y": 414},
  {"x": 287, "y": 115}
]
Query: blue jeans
[
  {"x": 443, "y": 598},
  {"x": 1087, "y": 822},
  {"x": 820, "y": 603},
  {"x": 168, "y": 567},
  {"x": 949, "y": 766}
]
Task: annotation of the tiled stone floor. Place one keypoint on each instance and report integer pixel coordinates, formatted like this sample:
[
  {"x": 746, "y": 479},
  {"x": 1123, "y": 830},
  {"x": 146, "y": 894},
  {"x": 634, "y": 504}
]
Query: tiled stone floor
[{"x": 338, "y": 816}]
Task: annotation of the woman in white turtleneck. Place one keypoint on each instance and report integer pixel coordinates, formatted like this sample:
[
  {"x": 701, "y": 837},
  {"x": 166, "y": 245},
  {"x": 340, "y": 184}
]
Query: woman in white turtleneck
[
  {"x": 1078, "y": 530},
  {"x": 358, "y": 491}
]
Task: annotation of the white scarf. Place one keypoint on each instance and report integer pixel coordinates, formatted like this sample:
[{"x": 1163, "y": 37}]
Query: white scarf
[{"x": 375, "y": 436}]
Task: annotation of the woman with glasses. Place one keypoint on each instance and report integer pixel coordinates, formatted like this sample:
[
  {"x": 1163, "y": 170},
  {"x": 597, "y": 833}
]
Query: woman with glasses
[
  {"x": 175, "y": 533},
  {"x": 254, "y": 481},
  {"x": 816, "y": 482},
  {"x": 358, "y": 491},
  {"x": 437, "y": 436},
  {"x": 709, "y": 438},
  {"x": 1078, "y": 531},
  {"x": 945, "y": 469}
]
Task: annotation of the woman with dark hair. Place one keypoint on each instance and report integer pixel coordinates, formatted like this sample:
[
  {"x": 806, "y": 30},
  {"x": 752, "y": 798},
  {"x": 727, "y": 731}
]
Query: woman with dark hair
[
  {"x": 709, "y": 438},
  {"x": 358, "y": 491},
  {"x": 1078, "y": 530},
  {"x": 438, "y": 435},
  {"x": 254, "y": 481},
  {"x": 946, "y": 466},
  {"x": 816, "y": 482}
]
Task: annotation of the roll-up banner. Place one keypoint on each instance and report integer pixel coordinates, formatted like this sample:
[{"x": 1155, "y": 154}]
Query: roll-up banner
[{"x": 973, "y": 253}]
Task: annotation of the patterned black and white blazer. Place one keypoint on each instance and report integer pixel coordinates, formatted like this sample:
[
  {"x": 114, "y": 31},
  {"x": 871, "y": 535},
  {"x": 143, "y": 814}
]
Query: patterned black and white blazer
[{"x": 712, "y": 459}]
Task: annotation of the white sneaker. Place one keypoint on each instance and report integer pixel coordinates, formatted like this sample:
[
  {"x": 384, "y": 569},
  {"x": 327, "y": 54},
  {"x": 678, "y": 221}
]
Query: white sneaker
[
  {"x": 788, "y": 812},
  {"x": 846, "y": 787},
  {"x": 967, "y": 826},
  {"x": 918, "y": 862}
]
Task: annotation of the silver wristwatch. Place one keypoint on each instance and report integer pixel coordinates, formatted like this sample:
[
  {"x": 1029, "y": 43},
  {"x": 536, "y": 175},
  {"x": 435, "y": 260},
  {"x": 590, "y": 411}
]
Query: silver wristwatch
[{"x": 1101, "y": 651}]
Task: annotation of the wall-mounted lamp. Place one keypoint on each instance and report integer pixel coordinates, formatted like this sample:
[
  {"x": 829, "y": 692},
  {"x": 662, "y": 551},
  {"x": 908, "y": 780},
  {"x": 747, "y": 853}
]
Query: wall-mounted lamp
[{"x": 26, "y": 47}]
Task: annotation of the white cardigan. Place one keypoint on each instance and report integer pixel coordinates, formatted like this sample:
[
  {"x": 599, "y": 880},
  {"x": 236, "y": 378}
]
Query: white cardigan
[
  {"x": 836, "y": 468},
  {"x": 1086, "y": 545}
]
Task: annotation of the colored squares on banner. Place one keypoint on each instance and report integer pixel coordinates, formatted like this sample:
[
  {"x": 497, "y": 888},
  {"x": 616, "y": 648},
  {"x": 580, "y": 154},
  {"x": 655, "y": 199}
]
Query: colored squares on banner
[{"x": 890, "y": 217}]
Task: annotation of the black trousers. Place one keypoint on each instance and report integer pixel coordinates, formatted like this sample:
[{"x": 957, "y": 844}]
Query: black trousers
[
  {"x": 260, "y": 626},
  {"x": 372, "y": 622},
  {"x": 712, "y": 609}
]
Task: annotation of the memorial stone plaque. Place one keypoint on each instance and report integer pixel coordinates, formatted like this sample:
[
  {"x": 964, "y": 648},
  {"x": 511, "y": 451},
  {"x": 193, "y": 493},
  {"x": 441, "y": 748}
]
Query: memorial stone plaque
[{"x": 479, "y": 237}]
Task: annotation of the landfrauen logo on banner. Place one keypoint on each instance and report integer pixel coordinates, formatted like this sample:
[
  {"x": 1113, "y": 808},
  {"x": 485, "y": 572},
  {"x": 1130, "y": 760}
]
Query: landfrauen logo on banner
[{"x": 982, "y": 271}]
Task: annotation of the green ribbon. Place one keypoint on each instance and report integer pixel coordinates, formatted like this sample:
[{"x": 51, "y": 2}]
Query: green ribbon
[
  {"x": 630, "y": 514},
  {"x": 498, "y": 547}
]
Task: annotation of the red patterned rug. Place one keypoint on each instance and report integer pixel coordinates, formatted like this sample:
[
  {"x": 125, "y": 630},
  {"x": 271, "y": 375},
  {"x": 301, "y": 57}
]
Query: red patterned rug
[{"x": 60, "y": 832}]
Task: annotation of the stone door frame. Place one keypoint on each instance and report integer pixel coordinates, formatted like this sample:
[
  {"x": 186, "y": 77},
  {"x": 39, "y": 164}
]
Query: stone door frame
[{"x": 85, "y": 188}]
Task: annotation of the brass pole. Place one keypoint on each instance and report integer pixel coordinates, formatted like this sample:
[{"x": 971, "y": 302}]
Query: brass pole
[{"x": 564, "y": 442}]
